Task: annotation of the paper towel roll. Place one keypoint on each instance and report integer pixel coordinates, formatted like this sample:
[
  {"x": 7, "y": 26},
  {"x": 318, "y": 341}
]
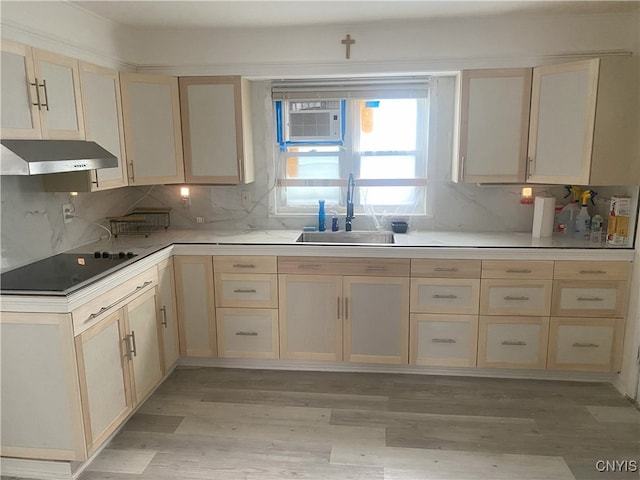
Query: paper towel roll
[{"x": 544, "y": 209}]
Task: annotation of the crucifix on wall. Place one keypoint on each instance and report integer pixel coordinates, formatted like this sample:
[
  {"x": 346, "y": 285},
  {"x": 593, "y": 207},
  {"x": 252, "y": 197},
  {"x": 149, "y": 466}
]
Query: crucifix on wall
[{"x": 347, "y": 42}]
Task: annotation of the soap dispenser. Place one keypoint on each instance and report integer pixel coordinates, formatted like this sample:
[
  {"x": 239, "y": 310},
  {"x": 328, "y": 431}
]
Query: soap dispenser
[
  {"x": 321, "y": 225},
  {"x": 583, "y": 220}
]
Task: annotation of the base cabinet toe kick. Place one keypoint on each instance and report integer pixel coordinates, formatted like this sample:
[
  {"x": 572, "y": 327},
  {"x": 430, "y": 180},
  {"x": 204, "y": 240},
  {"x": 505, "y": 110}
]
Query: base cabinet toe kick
[{"x": 89, "y": 369}]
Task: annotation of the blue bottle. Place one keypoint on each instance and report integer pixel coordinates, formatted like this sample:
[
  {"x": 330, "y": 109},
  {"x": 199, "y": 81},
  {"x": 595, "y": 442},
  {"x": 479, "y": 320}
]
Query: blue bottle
[{"x": 321, "y": 226}]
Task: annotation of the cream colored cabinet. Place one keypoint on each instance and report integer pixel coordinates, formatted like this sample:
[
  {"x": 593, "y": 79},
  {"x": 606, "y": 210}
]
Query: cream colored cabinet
[
  {"x": 584, "y": 123},
  {"x": 40, "y": 95},
  {"x": 41, "y": 407},
  {"x": 494, "y": 124},
  {"x": 103, "y": 362},
  {"x": 246, "y": 296},
  {"x": 445, "y": 295},
  {"x": 216, "y": 129},
  {"x": 513, "y": 342},
  {"x": 103, "y": 124},
  {"x": 443, "y": 340},
  {"x": 169, "y": 315},
  {"x": 354, "y": 309},
  {"x": 153, "y": 138},
  {"x": 195, "y": 305}
]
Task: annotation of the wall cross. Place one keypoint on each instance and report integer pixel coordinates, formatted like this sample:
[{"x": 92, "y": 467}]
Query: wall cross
[{"x": 347, "y": 42}]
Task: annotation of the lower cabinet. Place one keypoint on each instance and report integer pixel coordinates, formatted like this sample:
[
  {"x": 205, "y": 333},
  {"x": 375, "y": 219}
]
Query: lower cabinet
[
  {"x": 247, "y": 332},
  {"x": 513, "y": 342},
  {"x": 443, "y": 340},
  {"x": 169, "y": 315},
  {"x": 196, "y": 305}
]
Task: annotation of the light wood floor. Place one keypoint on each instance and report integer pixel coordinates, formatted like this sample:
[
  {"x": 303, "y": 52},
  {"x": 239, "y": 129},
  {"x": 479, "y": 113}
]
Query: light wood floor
[{"x": 235, "y": 424}]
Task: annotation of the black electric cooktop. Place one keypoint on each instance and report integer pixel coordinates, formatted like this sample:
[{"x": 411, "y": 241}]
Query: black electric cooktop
[{"x": 62, "y": 273}]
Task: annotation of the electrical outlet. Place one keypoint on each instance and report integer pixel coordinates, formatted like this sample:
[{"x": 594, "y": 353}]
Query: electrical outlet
[
  {"x": 199, "y": 219},
  {"x": 67, "y": 213},
  {"x": 245, "y": 198}
]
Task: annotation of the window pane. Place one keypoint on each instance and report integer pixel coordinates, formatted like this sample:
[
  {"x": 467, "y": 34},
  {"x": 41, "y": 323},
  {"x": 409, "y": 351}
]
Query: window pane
[
  {"x": 388, "y": 125},
  {"x": 389, "y": 166},
  {"x": 311, "y": 195},
  {"x": 393, "y": 196},
  {"x": 313, "y": 167}
]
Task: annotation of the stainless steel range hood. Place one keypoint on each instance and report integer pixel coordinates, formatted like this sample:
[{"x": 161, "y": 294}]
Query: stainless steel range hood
[{"x": 36, "y": 157}]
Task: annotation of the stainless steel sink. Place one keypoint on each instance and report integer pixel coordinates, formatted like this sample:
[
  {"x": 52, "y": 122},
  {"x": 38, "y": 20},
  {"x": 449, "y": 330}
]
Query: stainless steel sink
[{"x": 346, "y": 237}]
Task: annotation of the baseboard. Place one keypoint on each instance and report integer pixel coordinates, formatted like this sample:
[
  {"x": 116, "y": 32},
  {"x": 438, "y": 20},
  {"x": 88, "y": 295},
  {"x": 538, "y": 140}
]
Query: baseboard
[{"x": 323, "y": 366}]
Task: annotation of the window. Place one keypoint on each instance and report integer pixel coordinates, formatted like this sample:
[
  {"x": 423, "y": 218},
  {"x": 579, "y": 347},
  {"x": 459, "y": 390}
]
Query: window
[{"x": 379, "y": 134}]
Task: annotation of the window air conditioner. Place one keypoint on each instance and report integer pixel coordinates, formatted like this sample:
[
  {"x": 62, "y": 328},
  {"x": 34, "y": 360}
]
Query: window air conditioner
[{"x": 313, "y": 121}]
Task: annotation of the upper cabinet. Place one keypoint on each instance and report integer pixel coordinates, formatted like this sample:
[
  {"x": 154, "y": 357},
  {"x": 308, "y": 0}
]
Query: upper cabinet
[
  {"x": 494, "y": 123},
  {"x": 581, "y": 129},
  {"x": 40, "y": 95},
  {"x": 216, "y": 130},
  {"x": 151, "y": 112}
]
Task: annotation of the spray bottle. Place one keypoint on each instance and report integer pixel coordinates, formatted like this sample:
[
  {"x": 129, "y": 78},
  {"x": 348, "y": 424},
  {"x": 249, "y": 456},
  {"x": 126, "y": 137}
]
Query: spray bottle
[
  {"x": 567, "y": 216},
  {"x": 583, "y": 220}
]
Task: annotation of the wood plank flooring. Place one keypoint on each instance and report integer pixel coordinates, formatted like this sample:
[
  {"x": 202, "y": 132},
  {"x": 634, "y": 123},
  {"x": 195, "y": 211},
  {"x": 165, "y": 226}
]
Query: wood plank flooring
[{"x": 235, "y": 424}]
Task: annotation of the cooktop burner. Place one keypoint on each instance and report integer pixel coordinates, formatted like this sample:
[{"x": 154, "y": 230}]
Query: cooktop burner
[{"x": 61, "y": 273}]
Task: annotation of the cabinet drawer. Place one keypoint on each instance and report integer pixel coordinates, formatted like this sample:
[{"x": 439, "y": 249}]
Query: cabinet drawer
[
  {"x": 585, "y": 344},
  {"x": 245, "y": 264},
  {"x": 519, "y": 342},
  {"x": 95, "y": 310},
  {"x": 572, "y": 270},
  {"x": 443, "y": 268},
  {"x": 379, "y": 267},
  {"x": 442, "y": 295},
  {"x": 589, "y": 298},
  {"x": 443, "y": 340},
  {"x": 537, "y": 269},
  {"x": 522, "y": 297},
  {"x": 236, "y": 290},
  {"x": 247, "y": 332}
]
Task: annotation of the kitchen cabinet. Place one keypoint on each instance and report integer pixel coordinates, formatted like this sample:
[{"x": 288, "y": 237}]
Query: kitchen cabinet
[
  {"x": 40, "y": 95},
  {"x": 513, "y": 341},
  {"x": 581, "y": 127},
  {"x": 169, "y": 315},
  {"x": 153, "y": 138},
  {"x": 196, "y": 305},
  {"x": 344, "y": 308},
  {"x": 41, "y": 407},
  {"x": 493, "y": 127},
  {"x": 216, "y": 130},
  {"x": 103, "y": 124},
  {"x": 246, "y": 297},
  {"x": 443, "y": 340},
  {"x": 103, "y": 356}
]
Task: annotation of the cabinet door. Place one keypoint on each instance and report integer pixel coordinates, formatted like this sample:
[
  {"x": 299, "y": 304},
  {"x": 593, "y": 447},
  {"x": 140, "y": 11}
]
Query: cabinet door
[
  {"x": 196, "y": 306},
  {"x": 103, "y": 368},
  {"x": 239, "y": 290},
  {"x": 443, "y": 340},
  {"x": 589, "y": 298},
  {"x": 143, "y": 338},
  {"x": 513, "y": 342},
  {"x": 445, "y": 295},
  {"x": 103, "y": 121},
  {"x": 61, "y": 116},
  {"x": 376, "y": 319},
  {"x": 494, "y": 122},
  {"x": 247, "y": 332},
  {"x": 153, "y": 137},
  {"x": 310, "y": 317},
  {"x": 169, "y": 316},
  {"x": 563, "y": 106},
  {"x": 20, "y": 117},
  {"x": 515, "y": 297},
  {"x": 216, "y": 129}
]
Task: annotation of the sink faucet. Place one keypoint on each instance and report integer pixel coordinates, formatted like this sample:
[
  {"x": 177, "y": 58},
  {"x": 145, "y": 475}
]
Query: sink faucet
[{"x": 350, "y": 187}]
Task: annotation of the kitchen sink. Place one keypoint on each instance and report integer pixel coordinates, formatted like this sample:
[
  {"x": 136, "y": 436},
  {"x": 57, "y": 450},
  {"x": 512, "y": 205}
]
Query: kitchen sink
[{"x": 346, "y": 237}]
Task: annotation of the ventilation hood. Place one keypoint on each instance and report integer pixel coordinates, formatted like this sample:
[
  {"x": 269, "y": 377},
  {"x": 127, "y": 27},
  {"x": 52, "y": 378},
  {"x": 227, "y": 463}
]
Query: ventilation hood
[{"x": 36, "y": 157}]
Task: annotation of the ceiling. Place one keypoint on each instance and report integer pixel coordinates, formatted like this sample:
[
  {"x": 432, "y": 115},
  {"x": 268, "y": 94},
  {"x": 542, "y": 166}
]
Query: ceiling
[{"x": 248, "y": 13}]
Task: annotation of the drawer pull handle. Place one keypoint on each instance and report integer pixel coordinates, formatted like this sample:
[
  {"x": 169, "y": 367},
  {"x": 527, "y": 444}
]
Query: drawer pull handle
[
  {"x": 242, "y": 265},
  {"x": 241, "y": 290},
  {"x": 309, "y": 266},
  {"x": 164, "y": 315},
  {"x": 445, "y": 269},
  {"x": 520, "y": 299},
  {"x": 109, "y": 307},
  {"x": 444, "y": 296},
  {"x": 587, "y": 345},
  {"x": 518, "y": 343},
  {"x": 247, "y": 334},
  {"x": 443, "y": 340},
  {"x": 339, "y": 302},
  {"x": 38, "y": 103},
  {"x": 373, "y": 267},
  {"x": 592, "y": 272},
  {"x": 590, "y": 299},
  {"x": 518, "y": 270}
]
